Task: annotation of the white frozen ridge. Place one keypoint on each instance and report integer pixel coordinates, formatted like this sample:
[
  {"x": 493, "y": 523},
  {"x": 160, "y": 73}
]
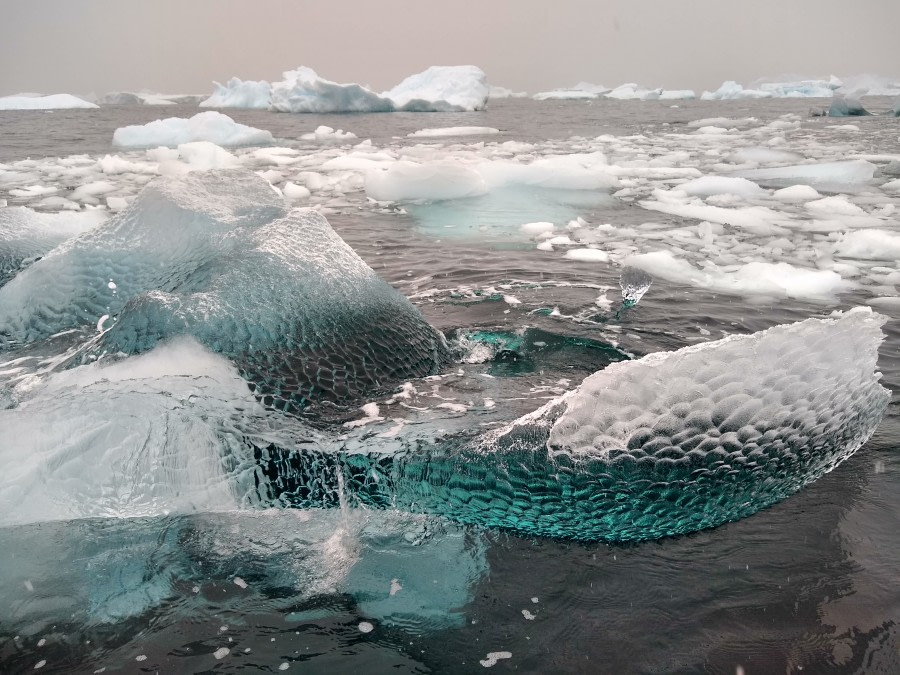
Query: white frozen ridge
[
  {"x": 302, "y": 90},
  {"x": 38, "y": 102},
  {"x": 210, "y": 126}
]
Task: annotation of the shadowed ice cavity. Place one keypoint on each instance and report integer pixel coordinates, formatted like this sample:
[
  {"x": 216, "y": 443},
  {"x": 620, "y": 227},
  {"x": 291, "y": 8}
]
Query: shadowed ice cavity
[{"x": 665, "y": 445}]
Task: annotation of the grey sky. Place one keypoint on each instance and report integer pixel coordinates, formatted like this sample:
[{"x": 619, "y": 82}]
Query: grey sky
[{"x": 180, "y": 46}]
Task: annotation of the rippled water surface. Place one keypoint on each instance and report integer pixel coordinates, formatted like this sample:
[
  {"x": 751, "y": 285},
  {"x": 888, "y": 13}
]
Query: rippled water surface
[{"x": 810, "y": 584}]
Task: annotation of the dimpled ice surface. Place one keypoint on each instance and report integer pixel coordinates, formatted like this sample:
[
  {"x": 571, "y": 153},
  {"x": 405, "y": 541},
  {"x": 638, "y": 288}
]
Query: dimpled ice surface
[{"x": 665, "y": 445}]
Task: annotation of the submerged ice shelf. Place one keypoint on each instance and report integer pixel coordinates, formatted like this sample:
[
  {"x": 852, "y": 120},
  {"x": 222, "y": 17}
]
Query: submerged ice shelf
[{"x": 194, "y": 420}]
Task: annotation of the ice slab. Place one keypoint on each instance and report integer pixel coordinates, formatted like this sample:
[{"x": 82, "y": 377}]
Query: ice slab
[
  {"x": 210, "y": 126},
  {"x": 437, "y": 89},
  {"x": 441, "y": 132},
  {"x": 753, "y": 279},
  {"x": 52, "y": 102},
  {"x": 823, "y": 175}
]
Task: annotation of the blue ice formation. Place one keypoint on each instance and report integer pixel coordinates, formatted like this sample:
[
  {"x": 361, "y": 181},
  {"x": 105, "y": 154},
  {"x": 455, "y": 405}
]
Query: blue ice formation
[
  {"x": 218, "y": 256},
  {"x": 665, "y": 445},
  {"x": 847, "y": 106},
  {"x": 214, "y": 265}
]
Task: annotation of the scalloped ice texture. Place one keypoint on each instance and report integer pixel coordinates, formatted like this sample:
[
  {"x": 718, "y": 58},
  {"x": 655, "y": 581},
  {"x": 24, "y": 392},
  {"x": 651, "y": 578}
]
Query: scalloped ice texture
[
  {"x": 302, "y": 316},
  {"x": 666, "y": 445},
  {"x": 26, "y": 235},
  {"x": 171, "y": 230}
]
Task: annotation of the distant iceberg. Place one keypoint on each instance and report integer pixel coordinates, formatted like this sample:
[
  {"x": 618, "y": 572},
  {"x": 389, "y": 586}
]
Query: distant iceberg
[
  {"x": 582, "y": 90},
  {"x": 302, "y": 90},
  {"x": 627, "y": 91},
  {"x": 503, "y": 92},
  {"x": 731, "y": 90},
  {"x": 237, "y": 93},
  {"x": 442, "y": 89},
  {"x": 209, "y": 126},
  {"x": 37, "y": 102},
  {"x": 132, "y": 98}
]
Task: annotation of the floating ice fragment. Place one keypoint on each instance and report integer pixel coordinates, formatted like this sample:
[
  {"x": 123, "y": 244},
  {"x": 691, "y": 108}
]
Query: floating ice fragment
[
  {"x": 395, "y": 587},
  {"x": 634, "y": 282},
  {"x": 284, "y": 666},
  {"x": 221, "y": 652},
  {"x": 365, "y": 627},
  {"x": 847, "y": 106},
  {"x": 453, "y": 131},
  {"x": 493, "y": 657},
  {"x": 240, "y": 583},
  {"x": 528, "y": 615},
  {"x": 209, "y": 126},
  {"x": 40, "y": 664}
]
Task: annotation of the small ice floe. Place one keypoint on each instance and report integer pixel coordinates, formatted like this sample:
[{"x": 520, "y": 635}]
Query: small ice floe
[
  {"x": 634, "y": 283},
  {"x": 365, "y": 627},
  {"x": 493, "y": 657}
]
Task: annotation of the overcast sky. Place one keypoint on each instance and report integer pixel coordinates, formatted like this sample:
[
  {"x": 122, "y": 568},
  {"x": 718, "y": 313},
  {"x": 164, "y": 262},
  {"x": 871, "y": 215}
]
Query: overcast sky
[{"x": 180, "y": 46}]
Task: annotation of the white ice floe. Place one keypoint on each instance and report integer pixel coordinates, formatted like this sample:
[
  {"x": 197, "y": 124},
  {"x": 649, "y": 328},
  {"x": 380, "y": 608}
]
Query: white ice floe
[
  {"x": 326, "y": 133},
  {"x": 37, "y": 102},
  {"x": 441, "y": 132},
  {"x": 209, "y": 126}
]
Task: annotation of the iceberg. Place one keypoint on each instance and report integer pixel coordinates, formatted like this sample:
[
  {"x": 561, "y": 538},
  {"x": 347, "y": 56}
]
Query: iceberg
[
  {"x": 303, "y": 91},
  {"x": 632, "y": 91},
  {"x": 210, "y": 126},
  {"x": 237, "y": 93},
  {"x": 847, "y": 106},
  {"x": 665, "y": 445},
  {"x": 37, "y": 102},
  {"x": 503, "y": 92},
  {"x": 582, "y": 90},
  {"x": 437, "y": 89},
  {"x": 731, "y": 90},
  {"x": 442, "y": 89},
  {"x": 131, "y": 98}
]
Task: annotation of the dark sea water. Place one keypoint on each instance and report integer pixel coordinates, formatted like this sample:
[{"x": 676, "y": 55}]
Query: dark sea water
[{"x": 809, "y": 585}]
